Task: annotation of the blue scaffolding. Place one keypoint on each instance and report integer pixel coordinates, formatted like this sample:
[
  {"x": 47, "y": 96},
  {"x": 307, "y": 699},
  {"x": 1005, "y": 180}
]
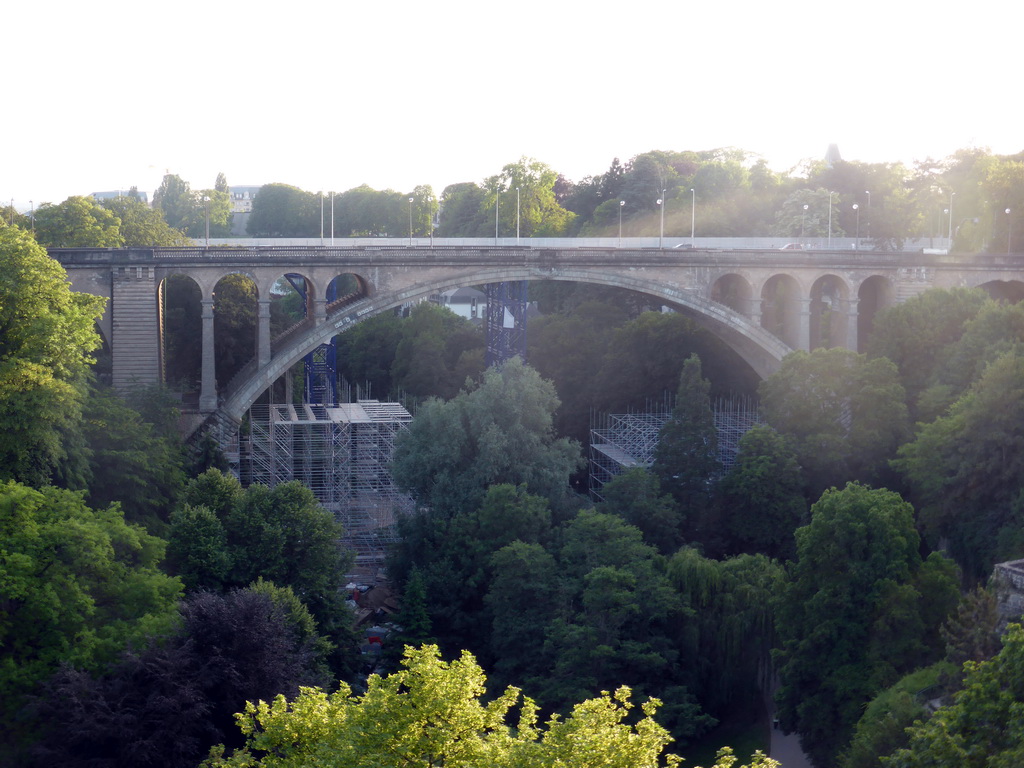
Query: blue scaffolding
[{"x": 506, "y": 321}]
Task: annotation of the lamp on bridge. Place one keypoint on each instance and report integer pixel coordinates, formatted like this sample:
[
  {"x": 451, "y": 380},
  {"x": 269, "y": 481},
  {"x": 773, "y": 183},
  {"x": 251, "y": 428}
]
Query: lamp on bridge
[
  {"x": 621, "y": 204},
  {"x": 868, "y": 193},
  {"x": 661, "y": 236},
  {"x": 206, "y": 203},
  {"x": 693, "y": 214},
  {"x": 1009, "y": 226},
  {"x": 949, "y": 235},
  {"x": 856, "y": 239},
  {"x": 830, "y": 220},
  {"x": 803, "y": 220},
  {"x": 410, "y": 222},
  {"x": 517, "y": 215}
]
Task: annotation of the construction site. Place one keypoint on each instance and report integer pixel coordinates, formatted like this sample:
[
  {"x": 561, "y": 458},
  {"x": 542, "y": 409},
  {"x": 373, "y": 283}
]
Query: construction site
[
  {"x": 342, "y": 453},
  {"x": 619, "y": 442}
]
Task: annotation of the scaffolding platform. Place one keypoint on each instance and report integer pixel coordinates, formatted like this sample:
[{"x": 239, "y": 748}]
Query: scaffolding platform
[
  {"x": 619, "y": 442},
  {"x": 342, "y": 453}
]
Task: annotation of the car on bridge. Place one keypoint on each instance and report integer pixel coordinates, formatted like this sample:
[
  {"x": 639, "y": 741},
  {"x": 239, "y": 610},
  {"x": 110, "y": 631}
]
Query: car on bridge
[{"x": 792, "y": 247}]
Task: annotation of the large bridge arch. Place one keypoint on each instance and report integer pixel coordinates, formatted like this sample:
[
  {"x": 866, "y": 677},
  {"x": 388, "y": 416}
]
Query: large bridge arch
[{"x": 755, "y": 345}]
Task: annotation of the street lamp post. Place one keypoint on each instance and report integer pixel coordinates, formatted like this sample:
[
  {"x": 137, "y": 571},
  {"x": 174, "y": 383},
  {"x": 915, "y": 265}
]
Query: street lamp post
[
  {"x": 431, "y": 219},
  {"x": 321, "y": 218},
  {"x": 803, "y": 220},
  {"x": 332, "y": 217},
  {"x": 1009, "y": 229},
  {"x": 496, "y": 194},
  {"x": 868, "y": 193},
  {"x": 517, "y": 215},
  {"x": 693, "y": 215},
  {"x": 410, "y": 222},
  {"x": 206, "y": 204},
  {"x": 621, "y": 204},
  {"x": 661, "y": 235},
  {"x": 830, "y": 220},
  {"x": 949, "y": 235},
  {"x": 856, "y": 239}
]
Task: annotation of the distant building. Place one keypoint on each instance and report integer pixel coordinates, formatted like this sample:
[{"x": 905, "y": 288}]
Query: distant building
[
  {"x": 242, "y": 197},
  {"x": 140, "y": 196},
  {"x": 832, "y": 155},
  {"x": 464, "y": 302}
]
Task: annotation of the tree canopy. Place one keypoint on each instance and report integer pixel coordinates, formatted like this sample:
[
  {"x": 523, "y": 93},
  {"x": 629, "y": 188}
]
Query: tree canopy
[
  {"x": 499, "y": 432},
  {"x": 432, "y": 712},
  {"x": 77, "y": 585},
  {"x": 857, "y": 613},
  {"x": 47, "y": 336}
]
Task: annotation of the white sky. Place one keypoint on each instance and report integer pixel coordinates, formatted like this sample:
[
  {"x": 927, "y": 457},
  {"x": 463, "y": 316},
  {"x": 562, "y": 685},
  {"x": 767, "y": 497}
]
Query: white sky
[{"x": 333, "y": 94}]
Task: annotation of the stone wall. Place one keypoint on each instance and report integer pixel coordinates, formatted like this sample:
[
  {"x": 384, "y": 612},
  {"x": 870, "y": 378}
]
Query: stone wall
[{"x": 1009, "y": 583}]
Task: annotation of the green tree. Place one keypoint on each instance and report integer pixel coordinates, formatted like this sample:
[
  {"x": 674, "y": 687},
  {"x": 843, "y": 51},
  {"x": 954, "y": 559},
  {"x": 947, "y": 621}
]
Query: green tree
[
  {"x": 882, "y": 729},
  {"x": 281, "y": 210},
  {"x": 917, "y": 335},
  {"x": 844, "y": 413},
  {"x": 141, "y": 225},
  {"x": 280, "y": 534},
  {"x": 686, "y": 457},
  {"x": 982, "y": 728},
  {"x": 538, "y": 213},
  {"x": 636, "y": 496},
  {"x": 965, "y": 467},
  {"x": 430, "y": 713},
  {"x": 500, "y": 432},
  {"x": 212, "y": 207},
  {"x": 77, "y": 585},
  {"x": 462, "y": 212},
  {"x": 130, "y": 462},
  {"x": 451, "y": 555},
  {"x": 47, "y": 335},
  {"x": 733, "y": 603},
  {"x": 175, "y": 199},
  {"x": 78, "y": 222},
  {"x": 435, "y": 346},
  {"x": 853, "y": 619},
  {"x": 762, "y": 497}
]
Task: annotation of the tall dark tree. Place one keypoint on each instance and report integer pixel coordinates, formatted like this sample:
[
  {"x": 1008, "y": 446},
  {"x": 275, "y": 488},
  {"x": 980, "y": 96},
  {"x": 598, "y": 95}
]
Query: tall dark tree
[
  {"x": 686, "y": 458},
  {"x": 761, "y": 499},
  {"x": 167, "y": 704}
]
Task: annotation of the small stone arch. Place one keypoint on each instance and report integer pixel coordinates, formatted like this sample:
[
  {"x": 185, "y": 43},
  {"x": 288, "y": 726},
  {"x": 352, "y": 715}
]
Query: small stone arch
[
  {"x": 734, "y": 291},
  {"x": 873, "y": 295},
  {"x": 1010, "y": 291},
  {"x": 780, "y": 308},
  {"x": 828, "y": 312},
  {"x": 181, "y": 324}
]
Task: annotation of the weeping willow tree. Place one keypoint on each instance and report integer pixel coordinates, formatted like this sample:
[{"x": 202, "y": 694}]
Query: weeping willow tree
[{"x": 733, "y": 602}]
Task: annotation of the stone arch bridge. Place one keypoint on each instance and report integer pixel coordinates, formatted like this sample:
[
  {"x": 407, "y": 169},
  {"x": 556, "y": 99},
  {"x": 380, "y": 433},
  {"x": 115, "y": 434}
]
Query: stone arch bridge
[{"x": 763, "y": 304}]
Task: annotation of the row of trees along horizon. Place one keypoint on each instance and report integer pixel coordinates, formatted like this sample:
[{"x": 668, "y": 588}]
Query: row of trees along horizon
[
  {"x": 975, "y": 196},
  {"x": 145, "y": 596}
]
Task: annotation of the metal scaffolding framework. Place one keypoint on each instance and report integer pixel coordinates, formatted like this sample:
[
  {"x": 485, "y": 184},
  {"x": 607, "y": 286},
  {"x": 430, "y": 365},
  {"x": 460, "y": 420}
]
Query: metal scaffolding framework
[
  {"x": 622, "y": 441},
  {"x": 506, "y": 321},
  {"x": 342, "y": 454}
]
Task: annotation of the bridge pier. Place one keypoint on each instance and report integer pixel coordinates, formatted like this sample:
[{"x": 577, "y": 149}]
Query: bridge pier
[
  {"x": 208, "y": 387},
  {"x": 263, "y": 332},
  {"x": 851, "y": 325},
  {"x": 804, "y": 328}
]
